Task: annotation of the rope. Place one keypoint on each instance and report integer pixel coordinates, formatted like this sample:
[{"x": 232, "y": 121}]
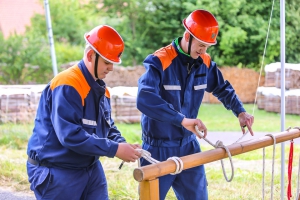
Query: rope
[
  {"x": 179, "y": 164},
  {"x": 261, "y": 66},
  {"x": 298, "y": 176},
  {"x": 219, "y": 144},
  {"x": 273, "y": 160},
  {"x": 147, "y": 156},
  {"x": 290, "y": 169}
]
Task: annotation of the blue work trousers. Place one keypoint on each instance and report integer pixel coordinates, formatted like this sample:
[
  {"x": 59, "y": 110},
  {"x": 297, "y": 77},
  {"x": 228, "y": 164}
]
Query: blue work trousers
[
  {"x": 190, "y": 184},
  {"x": 71, "y": 184}
]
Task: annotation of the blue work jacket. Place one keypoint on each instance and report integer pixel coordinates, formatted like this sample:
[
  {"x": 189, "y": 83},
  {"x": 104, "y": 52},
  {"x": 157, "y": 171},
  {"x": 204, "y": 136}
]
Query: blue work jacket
[
  {"x": 73, "y": 124},
  {"x": 173, "y": 88}
]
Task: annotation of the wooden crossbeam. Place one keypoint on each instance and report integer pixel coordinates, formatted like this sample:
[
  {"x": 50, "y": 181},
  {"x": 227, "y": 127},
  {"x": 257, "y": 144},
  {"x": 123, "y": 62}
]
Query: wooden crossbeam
[{"x": 153, "y": 171}]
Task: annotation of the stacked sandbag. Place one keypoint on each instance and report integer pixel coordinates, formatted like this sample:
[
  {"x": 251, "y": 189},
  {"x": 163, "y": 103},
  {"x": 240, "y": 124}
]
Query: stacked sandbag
[
  {"x": 292, "y": 75},
  {"x": 271, "y": 74},
  {"x": 262, "y": 96},
  {"x": 269, "y": 96},
  {"x": 18, "y": 103},
  {"x": 292, "y": 102},
  {"x": 123, "y": 104},
  {"x": 269, "y": 99},
  {"x": 14, "y": 105},
  {"x": 272, "y": 100}
]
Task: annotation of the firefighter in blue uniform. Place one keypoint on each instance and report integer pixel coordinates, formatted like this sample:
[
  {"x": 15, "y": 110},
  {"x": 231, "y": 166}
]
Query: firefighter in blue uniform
[
  {"x": 73, "y": 126},
  {"x": 170, "y": 93}
]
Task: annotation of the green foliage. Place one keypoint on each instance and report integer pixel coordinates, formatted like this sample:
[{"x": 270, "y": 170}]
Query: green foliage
[
  {"x": 24, "y": 59},
  {"x": 70, "y": 20},
  {"x": 145, "y": 27},
  {"x": 212, "y": 114},
  {"x": 66, "y": 53}
]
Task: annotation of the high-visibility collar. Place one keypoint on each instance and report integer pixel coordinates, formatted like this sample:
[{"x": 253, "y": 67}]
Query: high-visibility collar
[{"x": 179, "y": 48}]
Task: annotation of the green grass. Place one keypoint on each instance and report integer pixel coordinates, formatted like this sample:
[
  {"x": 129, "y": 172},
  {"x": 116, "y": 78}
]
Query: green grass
[
  {"x": 217, "y": 118},
  {"x": 247, "y": 182}
]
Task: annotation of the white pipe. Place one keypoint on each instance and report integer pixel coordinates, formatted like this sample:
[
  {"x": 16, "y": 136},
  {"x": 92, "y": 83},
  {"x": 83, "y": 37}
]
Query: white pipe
[
  {"x": 50, "y": 35},
  {"x": 282, "y": 82}
]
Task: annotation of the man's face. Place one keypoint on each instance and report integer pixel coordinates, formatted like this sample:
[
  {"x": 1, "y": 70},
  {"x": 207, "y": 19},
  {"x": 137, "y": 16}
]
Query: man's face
[
  {"x": 104, "y": 67},
  {"x": 198, "y": 48}
]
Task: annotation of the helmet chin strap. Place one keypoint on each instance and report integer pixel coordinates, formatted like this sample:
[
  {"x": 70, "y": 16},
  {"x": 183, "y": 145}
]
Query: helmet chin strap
[
  {"x": 190, "y": 44},
  {"x": 96, "y": 66}
]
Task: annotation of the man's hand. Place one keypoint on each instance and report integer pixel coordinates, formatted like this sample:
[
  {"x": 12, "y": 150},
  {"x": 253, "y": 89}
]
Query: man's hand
[
  {"x": 246, "y": 120},
  {"x": 128, "y": 152},
  {"x": 190, "y": 124}
]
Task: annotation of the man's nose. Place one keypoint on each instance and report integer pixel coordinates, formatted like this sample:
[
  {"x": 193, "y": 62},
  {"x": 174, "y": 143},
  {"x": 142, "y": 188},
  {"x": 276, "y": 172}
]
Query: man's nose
[{"x": 111, "y": 67}]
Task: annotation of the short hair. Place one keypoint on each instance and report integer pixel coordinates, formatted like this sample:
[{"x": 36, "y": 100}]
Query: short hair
[{"x": 87, "y": 48}]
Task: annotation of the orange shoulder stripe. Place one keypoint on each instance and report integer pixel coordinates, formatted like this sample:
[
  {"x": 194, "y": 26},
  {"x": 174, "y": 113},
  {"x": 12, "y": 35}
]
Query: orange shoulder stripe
[
  {"x": 107, "y": 94},
  {"x": 206, "y": 59},
  {"x": 74, "y": 78},
  {"x": 166, "y": 55}
]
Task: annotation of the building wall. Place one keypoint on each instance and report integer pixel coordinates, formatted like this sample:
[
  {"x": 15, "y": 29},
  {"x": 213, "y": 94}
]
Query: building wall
[{"x": 15, "y": 15}]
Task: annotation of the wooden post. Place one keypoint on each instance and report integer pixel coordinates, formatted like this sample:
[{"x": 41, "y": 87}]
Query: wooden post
[
  {"x": 153, "y": 171},
  {"x": 149, "y": 190}
]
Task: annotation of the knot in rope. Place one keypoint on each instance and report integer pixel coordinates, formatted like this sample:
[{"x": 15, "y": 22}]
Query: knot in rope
[
  {"x": 219, "y": 144},
  {"x": 147, "y": 156}
]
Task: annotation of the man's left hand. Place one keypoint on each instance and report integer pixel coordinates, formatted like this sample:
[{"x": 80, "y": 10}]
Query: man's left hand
[{"x": 246, "y": 120}]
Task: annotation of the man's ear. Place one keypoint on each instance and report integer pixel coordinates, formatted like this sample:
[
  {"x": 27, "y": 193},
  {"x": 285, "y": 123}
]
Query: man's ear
[
  {"x": 89, "y": 55},
  {"x": 187, "y": 36}
]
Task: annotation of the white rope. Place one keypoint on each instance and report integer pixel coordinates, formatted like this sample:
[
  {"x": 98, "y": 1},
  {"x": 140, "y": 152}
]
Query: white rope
[
  {"x": 261, "y": 66},
  {"x": 147, "y": 156},
  {"x": 273, "y": 160},
  {"x": 219, "y": 144},
  {"x": 179, "y": 164}
]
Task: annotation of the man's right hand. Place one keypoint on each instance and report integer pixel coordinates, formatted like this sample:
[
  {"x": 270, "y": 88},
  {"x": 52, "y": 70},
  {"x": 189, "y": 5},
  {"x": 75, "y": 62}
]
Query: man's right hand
[
  {"x": 190, "y": 124},
  {"x": 128, "y": 152}
]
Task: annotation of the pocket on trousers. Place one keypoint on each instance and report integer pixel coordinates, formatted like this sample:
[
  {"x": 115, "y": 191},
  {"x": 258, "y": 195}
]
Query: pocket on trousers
[{"x": 39, "y": 178}]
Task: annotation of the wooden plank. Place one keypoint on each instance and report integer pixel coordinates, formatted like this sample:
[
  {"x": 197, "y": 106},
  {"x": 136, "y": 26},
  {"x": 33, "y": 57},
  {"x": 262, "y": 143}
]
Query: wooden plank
[
  {"x": 154, "y": 171},
  {"x": 149, "y": 190}
]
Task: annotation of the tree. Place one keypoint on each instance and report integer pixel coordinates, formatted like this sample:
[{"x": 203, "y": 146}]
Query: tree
[
  {"x": 24, "y": 59},
  {"x": 146, "y": 25}
]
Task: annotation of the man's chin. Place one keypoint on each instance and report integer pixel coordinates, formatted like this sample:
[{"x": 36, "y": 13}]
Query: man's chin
[
  {"x": 103, "y": 76},
  {"x": 195, "y": 57}
]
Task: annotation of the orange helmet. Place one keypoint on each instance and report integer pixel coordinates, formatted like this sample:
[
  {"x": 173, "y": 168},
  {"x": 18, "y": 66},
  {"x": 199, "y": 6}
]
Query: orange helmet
[
  {"x": 203, "y": 26},
  {"x": 107, "y": 42}
]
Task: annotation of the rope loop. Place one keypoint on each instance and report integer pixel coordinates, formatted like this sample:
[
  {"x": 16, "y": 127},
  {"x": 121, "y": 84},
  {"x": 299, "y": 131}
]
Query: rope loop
[
  {"x": 147, "y": 156},
  {"x": 273, "y": 160},
  {"x": 297, "y": 127},
  {"x": 219, "y": 144},
  {"x": 179, "y": 164}
]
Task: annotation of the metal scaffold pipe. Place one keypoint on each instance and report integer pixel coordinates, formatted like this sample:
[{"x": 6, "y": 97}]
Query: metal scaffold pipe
[{"x": 50, "y": 35}]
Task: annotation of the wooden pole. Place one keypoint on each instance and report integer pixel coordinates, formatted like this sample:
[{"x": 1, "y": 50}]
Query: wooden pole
[
  {"x": 149, "y": 190},
  {"x": 153, "y": 171}
]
